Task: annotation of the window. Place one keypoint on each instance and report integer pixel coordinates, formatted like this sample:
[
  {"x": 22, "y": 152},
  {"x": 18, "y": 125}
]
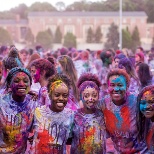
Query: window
[{"x": 69, "y": 28}]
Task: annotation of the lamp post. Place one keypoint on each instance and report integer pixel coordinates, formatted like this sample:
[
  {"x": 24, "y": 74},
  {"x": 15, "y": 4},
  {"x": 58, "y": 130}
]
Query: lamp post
[{"x": 120, "y": 26}]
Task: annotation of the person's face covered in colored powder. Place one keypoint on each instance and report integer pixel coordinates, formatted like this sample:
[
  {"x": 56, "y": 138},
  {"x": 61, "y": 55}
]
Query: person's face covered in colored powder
[
  {"x": 35, "y": 74},
  {"x": 89, "y": 97},
  {"x": 117, "y": 88},
  {"x": 116, "y": 62},
  {"x": 20, "y": 84},
  {"x": 59, "y": 93},
  {"x": 147, "y": 105}
]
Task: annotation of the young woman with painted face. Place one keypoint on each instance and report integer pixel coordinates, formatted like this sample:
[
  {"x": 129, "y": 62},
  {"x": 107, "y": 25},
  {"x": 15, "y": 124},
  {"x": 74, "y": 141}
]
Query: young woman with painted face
[
  {"x": 119, "y": 108},
  {"x": 65, "y": 65},
  {"x": 16, "y": 112},
  {"x": 53, "y": 124},
  {"x": 88, "y": 132},
  {"x": 145, "y": 116},
  {"x": 41, "y": 70}
]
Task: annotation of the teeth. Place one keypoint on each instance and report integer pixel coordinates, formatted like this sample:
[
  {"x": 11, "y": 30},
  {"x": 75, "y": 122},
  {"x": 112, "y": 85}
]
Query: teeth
[
  {"x": 21, "y": 90},
  {"x": 60, "y": 104}
]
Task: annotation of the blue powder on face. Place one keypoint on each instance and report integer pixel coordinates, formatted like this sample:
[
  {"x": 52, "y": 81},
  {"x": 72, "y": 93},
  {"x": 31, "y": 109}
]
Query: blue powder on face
[
  {"x": 143, "y": 105},
  {"x": 121, "y": 79}
]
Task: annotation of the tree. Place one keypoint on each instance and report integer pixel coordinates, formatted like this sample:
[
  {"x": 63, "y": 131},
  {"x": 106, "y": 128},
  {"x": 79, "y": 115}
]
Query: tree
[
  {"x": 112, "y": 37},
  {"x": 98, "y": 35},
  {"x": 45, "y": 39},
  {"x": 29, "y": 37},
  {"x": 22, "y": 10},
  {"x": 60, "y": 6},
  {"x": 58, "y": 35},
  {"x": 126, "y": 39},
  {"x": 37, "y": 6},
  {"x": 69, "y": 40},
  {"x": 90, "y": 35},
  {"x": 149, "y": 10},
  {"x": 5, "y": 37},
  {"x": 135, "y": 38}
]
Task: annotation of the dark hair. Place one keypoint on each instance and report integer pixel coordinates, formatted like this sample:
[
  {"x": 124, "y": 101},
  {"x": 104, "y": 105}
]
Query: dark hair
[
  {"x": 44, "y": 65},
  {"x": 107, "y": 57},
  {"x": 14, "y": 71},
  {"x": 57, "y": 77},
  {"x": 128, "y": 66},
  {"x": 142, "y": 121},
  {"x": 119, "y": 72},
  {"x": 70, "y": 70},
  {"x": 89, "y": 77},
  {"x": 119, "y": 56},
  {"x": 13, "y": 59},
  {"x": 144, "y": 74}
]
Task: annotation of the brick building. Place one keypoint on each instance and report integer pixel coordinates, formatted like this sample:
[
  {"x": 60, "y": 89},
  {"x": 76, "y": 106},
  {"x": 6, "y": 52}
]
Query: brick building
[{"x": 78, "y": 24}]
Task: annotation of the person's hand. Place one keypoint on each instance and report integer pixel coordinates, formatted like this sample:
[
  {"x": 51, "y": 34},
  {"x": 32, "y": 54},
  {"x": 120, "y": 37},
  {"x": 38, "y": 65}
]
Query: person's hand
[{"x": 34, "y": 95}]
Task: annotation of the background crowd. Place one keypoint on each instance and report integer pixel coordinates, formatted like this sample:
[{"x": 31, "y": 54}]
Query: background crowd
[{"x": 76, "y": 101}]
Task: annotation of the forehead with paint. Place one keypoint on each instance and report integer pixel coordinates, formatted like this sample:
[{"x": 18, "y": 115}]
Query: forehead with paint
[
  {"x": 57, "y": 84},
  {"x": 119, "y": 80}
]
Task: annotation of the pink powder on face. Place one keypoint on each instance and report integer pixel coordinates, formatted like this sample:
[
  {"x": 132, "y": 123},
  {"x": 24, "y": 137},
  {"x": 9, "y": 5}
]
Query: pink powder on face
[{"x": 37, "y": 76}]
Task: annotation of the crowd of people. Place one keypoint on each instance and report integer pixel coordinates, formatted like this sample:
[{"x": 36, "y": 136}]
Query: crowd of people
[{"x": 76, "y": 101}]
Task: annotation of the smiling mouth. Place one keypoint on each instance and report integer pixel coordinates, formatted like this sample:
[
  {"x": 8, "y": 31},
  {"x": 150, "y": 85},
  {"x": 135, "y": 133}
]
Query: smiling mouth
[
  {"x": 21, "y": 90},
  {"x": 60, "y": 104}
]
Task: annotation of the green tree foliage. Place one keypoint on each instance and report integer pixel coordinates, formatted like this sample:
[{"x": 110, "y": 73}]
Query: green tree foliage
[
  {"x": 112, "y": 37},
  {"x": 98, "y": 35},
  {"x": 90, "y": 35},
  {"x": 69, "y": 40},
  {"x": 135, "y": 38},
  {"x": 150, "y": 10},
  {"x": 38, "y": 6},
  {"x": 45, "y": 39},
  {"x": 126, "y": 39},
  {"x": 58, "y": 35},
  {"x": 5, "y": 37},
  {"x": 22, "y": 10},
  {"x": 29, "y": 37}
]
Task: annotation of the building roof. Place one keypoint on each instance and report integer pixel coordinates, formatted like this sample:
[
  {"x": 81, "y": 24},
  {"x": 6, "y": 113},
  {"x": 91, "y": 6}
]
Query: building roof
[
  {"x": 11, "y": 21},
  {"x": 133, "y": 13}
]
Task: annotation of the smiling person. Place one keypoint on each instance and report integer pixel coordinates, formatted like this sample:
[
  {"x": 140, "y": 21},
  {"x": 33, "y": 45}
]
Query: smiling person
[
  {"x": 16, "y": 112},
  {"x": 53, "y": 124},
  {"x": 119, "y": 108},
  {"x": 88, "y": 134},
  {"x": 41, "y": 70},
  {"x": 145, "y": 116}
]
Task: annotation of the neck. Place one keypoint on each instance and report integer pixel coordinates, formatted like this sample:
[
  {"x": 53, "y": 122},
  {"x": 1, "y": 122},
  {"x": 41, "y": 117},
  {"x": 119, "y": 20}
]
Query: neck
[
  {"x": 18, "y": 99},
  {"x": 119, "y": 103},
  {"x": 88, "y": 111}
]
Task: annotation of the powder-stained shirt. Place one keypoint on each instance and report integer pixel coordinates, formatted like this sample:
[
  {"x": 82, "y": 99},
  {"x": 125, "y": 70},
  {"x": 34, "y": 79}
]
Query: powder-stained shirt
[
  {"x": 43, "y": 97},
  {"x": 88, "y": 133},
  {"x": 120, "y": 123},
  {"x": 52, "y": 129},
  {"x": 15, "y": 123},
  {"x": 150, "y": 138}
]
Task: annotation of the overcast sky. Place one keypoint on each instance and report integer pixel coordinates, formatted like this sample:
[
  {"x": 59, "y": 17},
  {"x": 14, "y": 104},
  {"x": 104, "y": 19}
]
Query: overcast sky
[{"x": 8, "y": 4}]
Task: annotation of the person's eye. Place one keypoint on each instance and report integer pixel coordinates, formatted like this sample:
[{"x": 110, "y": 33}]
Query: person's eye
[
  {"x": 57, "y": 95},
  {"x": 86, "y": 95},
  {"x": 94, "y": 95},
  {"x": 16, "y": 81},
  {"x": 26, "y": 80},
  {"x": 112, "y": 85},
  {"x": 65, "y": 95}
]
